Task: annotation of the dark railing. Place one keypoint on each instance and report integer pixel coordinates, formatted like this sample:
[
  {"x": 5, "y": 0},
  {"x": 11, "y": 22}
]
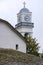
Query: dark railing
[{"x": 25, "y": 24}]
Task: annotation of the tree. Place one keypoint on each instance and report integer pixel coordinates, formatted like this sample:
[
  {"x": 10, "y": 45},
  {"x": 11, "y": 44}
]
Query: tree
[{"x": 32, "y": 46}]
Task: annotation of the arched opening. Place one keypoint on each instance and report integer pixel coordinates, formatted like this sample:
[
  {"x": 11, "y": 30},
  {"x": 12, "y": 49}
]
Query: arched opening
[
  {"x": 16, "y": 46},
  {"x": 26, "y": 35}
]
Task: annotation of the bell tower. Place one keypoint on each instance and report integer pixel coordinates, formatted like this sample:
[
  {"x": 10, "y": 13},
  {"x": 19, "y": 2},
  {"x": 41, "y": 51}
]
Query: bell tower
[{"x": 24, "y": 24}]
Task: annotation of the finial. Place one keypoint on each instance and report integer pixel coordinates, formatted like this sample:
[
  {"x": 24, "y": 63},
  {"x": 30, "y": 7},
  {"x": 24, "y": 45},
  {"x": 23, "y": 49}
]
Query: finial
[{"x": 24, "y": 4}]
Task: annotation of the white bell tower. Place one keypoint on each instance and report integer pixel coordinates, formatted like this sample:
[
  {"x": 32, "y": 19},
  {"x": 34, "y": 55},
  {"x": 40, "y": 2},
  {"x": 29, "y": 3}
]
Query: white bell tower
[{"x": 24, "y": 24}]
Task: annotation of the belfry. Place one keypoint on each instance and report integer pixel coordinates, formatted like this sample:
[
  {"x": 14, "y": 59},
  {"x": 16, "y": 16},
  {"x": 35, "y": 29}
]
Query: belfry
[{"x": 24, "y": 23}]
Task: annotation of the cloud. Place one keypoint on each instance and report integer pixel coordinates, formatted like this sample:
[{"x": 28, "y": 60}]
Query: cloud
[{"x": 2, "y": 0}]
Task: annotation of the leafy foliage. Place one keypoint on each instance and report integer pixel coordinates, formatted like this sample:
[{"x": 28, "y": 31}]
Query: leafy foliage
[{"x": 32, "y": 46}]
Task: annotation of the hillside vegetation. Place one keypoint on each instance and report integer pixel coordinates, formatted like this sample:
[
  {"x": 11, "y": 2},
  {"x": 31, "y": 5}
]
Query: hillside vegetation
[{"x": 9, "y": 55}]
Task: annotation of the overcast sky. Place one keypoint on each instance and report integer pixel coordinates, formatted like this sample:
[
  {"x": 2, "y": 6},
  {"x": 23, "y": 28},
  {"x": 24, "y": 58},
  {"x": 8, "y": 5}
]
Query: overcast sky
[{"x": 10, "y": 8}]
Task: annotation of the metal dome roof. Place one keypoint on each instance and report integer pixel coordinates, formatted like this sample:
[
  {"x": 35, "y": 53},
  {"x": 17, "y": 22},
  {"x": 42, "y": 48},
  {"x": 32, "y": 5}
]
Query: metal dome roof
[{"x": 24, "y": 10}]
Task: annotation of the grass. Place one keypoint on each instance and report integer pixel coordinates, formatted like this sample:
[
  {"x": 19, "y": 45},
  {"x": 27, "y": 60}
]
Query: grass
[{"x": 9, "y": 55}]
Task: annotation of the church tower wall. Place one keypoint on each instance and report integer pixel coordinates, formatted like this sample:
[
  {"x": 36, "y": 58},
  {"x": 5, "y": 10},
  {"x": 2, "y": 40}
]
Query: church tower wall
[{"x": 24, "y": 24}]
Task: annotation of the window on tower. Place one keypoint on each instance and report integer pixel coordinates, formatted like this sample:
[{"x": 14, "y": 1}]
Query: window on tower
[{"x": 19, "y": 19}]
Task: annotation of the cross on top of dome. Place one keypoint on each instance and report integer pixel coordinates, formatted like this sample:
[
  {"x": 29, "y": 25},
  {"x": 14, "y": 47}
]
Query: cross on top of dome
[
  {"x": 24, "y": 4},
  {"x": 24, "y": 9}
]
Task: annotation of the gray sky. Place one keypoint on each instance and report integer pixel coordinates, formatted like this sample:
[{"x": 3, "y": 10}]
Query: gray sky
[{"x": 10, "y": 8}]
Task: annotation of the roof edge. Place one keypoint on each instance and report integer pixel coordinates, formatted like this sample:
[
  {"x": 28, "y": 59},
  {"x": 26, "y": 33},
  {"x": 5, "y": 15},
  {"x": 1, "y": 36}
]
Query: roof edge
[{"x": 12, "y": 28}]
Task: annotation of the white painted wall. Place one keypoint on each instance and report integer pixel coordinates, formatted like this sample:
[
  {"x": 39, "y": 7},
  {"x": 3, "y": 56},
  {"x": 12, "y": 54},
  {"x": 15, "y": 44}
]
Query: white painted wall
[
  {"x": 24, "y": 29},
  {"x": 9, "y": 39}
]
